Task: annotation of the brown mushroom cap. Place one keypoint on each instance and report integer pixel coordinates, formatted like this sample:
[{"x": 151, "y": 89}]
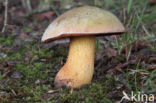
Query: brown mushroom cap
[{"x": 83, "y": 21}]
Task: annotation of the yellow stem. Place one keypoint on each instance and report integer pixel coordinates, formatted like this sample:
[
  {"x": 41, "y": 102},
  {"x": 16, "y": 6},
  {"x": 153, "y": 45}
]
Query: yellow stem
[{"x": 79, "y": 67}]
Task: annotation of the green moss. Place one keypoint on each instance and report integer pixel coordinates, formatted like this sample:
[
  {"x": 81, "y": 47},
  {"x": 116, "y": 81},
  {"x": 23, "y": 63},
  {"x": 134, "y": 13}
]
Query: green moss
[
  {"x": 2, "y": 39},
  {"x": 7, "y": 40},
  {"x": 27, "y": 29}
]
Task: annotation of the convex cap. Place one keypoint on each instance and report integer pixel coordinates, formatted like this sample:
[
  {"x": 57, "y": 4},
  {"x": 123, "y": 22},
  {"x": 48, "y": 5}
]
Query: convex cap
[{"x": 83, "y": 21}]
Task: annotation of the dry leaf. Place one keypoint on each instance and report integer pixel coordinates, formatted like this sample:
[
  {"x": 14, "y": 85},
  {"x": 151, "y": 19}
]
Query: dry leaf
[
  {"x": 44, "y": 15},
  {"x": 23, "y": 35},
  {"x": 152, "y": 67},
  {"x": 152, "y": 2},
  {"x": 152, "y": 60}
]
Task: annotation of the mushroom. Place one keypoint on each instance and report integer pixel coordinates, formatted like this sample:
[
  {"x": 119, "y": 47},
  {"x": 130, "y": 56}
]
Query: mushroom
[{"x": 82, "y": 25}]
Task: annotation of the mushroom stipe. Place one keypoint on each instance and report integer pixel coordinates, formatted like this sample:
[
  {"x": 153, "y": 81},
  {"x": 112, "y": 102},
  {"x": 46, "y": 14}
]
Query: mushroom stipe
[
  {"x": 82, "y": 25},
  {"x": 79, "y": 67}
]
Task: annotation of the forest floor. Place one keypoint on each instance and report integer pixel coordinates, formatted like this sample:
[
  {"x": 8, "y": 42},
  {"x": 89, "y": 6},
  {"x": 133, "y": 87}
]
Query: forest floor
[{"x": 122, "y": 63}]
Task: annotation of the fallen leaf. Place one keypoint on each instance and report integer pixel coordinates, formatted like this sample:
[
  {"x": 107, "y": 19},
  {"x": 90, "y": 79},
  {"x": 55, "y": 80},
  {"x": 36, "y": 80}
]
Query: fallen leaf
[
  {"x": 10, "y": 27},
  {"x": 152, "y": 2},
  {"x": 44, "y": 15},
  {"x": 152, "y": 67},
  {"x": 152, "y": 60},
  {"x": 5, "y": 74},
  {"x": 23, "y": 35}
]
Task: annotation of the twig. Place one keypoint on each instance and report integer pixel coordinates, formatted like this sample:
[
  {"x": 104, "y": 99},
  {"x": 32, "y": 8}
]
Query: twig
[
  {"x": 5, "y": 16},
  {"x": 27, "y": 5},
  {"x": 119, "y": 67}
]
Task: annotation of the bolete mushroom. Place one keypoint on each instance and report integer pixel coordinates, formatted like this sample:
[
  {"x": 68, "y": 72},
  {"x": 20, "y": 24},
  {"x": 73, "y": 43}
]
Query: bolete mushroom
[{"x": 82, "y": 25}]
